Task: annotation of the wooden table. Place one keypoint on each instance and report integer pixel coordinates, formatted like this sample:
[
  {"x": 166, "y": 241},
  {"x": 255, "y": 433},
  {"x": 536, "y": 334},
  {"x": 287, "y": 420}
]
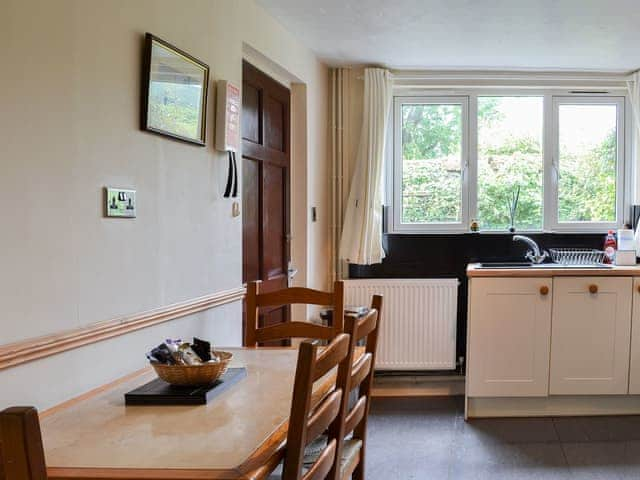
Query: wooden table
[{"x": 236, "y": 432}]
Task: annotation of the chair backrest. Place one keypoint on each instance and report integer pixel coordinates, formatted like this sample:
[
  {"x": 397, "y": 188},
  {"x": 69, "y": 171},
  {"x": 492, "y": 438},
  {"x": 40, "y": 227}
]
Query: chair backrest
[
  {"x": 254, "y": 334},
  {"x": 309, "y": 417},
  {"x": 22, "y": 451},
  {"x": 356, "y": 376}
]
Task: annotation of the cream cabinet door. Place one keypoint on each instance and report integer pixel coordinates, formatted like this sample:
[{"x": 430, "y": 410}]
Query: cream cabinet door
[
  {"x": 634, "y": 370},
  {"x": 509, "y": 332},
  {"x": 590, "y": 336}
]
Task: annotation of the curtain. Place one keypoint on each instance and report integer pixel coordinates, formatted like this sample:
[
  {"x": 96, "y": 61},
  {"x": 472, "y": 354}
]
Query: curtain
[
  {"x": 633, "y": 86},
  {"x": 361, "y": 240}
]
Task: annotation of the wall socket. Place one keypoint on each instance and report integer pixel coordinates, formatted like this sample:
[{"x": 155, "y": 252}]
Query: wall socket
[{"x": 120, "y": 202}]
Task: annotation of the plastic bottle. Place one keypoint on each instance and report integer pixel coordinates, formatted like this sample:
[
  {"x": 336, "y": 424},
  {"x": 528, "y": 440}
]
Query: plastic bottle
[{"x": 610, "y": 246}]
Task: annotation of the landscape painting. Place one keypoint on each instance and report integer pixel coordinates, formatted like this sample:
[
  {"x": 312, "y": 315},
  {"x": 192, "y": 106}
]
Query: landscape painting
[{"x": 174, "y": 96}]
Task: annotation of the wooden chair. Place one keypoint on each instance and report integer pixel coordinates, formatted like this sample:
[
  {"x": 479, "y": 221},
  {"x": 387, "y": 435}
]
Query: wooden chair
[
  {"x": 22, "y": 451},
  {"x": 254, "y": 334},
  {"x": 350, "y": 428},
  {"x": 307, "y": 421}
]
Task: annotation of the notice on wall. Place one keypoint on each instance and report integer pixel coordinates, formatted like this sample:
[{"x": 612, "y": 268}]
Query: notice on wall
[{"x": 228, "y": 117}]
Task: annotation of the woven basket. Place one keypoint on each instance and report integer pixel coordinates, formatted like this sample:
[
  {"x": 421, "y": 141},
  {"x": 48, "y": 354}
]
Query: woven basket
[{"x": 194, "y": 375}]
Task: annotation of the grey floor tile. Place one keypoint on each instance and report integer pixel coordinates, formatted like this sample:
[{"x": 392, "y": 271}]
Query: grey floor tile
[
  {"x": 427, "y": 438},
  {"x": 411, "y": 428},
  {"x": 603, "y": 460},
  {"x": 408, "y": 461},
  {"x": 509, "y": 461},
  {"x": 510, "y": 430},
  {"x": 598, "y": 429}
]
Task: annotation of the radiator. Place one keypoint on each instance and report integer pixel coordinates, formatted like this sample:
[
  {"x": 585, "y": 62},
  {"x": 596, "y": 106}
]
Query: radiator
[{"x": 418, "y": 326}]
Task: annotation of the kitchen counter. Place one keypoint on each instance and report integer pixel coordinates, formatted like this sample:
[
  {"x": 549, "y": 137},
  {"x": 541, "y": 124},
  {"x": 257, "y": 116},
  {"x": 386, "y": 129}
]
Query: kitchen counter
[
  {"x": 552, "y": 341},
  {"x": 473, "y": 270}
]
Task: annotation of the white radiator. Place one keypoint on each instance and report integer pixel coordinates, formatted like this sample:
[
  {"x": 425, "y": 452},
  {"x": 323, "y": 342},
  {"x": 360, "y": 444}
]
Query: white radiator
[{"x": 418, "y": 326}]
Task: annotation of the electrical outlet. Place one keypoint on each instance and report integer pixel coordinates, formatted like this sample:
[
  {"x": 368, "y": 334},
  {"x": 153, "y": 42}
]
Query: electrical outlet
[{"x": 120, "y": 202}]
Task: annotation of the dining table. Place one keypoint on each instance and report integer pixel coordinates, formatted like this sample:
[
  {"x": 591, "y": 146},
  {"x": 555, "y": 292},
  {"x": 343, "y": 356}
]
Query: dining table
[{"x": 232, "y": 436}]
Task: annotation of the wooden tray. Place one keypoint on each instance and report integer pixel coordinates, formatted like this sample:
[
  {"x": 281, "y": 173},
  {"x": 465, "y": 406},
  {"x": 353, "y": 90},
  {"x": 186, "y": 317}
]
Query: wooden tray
[{"x": 159, "y": 392}]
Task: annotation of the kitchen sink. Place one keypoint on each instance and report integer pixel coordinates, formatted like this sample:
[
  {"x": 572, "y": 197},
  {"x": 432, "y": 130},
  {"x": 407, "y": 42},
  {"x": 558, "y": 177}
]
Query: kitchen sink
[
  {"x": 515, "y": 265},
  {"x": 506, "y": 265}
]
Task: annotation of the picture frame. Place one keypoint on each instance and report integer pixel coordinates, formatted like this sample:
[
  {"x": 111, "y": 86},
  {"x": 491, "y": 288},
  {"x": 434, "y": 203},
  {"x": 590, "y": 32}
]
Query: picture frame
[{"x": 174, "y": 92}]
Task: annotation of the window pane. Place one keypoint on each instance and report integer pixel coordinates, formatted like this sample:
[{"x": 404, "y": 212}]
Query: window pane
[
  {"x": 510, "y": 162},
  {"x": 587, "y": 163},
  {"x": 431, "y": 163}
]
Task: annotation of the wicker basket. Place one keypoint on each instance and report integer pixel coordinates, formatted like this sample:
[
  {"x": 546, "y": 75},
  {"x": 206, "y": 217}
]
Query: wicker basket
[{"x": 194, "y": 375}]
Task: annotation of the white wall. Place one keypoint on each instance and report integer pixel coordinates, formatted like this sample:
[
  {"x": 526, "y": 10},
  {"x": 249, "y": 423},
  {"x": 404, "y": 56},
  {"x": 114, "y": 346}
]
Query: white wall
[{"x": 69, "y": 125}]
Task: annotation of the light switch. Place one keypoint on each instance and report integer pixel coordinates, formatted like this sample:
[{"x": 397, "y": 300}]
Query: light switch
[{"x": 120, "y": 202}]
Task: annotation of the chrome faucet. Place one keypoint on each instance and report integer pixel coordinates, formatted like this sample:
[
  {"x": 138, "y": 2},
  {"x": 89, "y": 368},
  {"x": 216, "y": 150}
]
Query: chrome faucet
[{"x": 534, "y": 255}]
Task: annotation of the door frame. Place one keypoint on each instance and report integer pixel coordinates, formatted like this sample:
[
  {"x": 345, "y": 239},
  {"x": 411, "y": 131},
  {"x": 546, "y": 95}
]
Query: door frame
[{"x": 298, "y": 198}]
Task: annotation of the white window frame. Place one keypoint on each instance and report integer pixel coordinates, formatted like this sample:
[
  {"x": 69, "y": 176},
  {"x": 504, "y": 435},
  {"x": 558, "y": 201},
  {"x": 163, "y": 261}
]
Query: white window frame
[
  {"x": 554, "y": 222},
  {"x": 433, "y": 227},
  {"x": 624, "y": 180}
]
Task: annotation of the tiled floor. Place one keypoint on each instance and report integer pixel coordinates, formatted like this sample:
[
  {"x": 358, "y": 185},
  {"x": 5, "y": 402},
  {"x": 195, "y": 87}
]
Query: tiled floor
[{"x": 427, "y": 438}]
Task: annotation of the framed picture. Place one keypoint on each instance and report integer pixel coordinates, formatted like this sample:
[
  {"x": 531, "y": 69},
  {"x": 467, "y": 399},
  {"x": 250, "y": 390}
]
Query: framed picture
[{"x": 174, "y": 92}]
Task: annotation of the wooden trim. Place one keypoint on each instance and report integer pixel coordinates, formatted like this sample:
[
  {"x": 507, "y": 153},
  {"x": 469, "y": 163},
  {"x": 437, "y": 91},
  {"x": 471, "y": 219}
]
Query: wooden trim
[{"x": 32, "y": 349}]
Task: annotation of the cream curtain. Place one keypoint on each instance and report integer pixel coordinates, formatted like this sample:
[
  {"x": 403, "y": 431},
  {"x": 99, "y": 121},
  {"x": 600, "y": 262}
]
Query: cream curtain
[
  {"x": 361, "y": 240},
  {"x": 633, "y": 86}
]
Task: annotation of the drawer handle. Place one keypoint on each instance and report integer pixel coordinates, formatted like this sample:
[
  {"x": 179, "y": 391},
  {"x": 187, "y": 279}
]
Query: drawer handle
[
  {"x": 544, "y": 290},
  {"x": 593, "y": 288},
  {"x": 638, "y": 288}
]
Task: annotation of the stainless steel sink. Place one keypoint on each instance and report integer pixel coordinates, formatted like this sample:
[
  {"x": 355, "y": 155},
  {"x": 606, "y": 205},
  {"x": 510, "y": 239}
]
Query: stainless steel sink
[{"x": 505, "y": 265}]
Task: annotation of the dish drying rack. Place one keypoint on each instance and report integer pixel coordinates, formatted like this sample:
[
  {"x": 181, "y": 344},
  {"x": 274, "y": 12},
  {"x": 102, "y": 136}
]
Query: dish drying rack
[{"x": 576, "y": 256}]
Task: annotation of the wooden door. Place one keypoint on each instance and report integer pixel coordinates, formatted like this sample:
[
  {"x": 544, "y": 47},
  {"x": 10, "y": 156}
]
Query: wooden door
[
  {"x": 509, "y": 335},
  {"x": 590, "y": 336},
  {"x": 265, "y": 185}
]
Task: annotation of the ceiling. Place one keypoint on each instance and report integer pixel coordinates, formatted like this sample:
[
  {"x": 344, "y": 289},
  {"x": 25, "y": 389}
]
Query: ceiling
[{"x": 602, "y": 35}]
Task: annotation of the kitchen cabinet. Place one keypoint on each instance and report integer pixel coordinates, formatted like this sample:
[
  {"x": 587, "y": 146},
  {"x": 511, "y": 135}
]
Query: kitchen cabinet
[
  {"x": 590, "y": 336},
  {"x": 634, "y": 369},
  {"x": 509, "y": 337}
]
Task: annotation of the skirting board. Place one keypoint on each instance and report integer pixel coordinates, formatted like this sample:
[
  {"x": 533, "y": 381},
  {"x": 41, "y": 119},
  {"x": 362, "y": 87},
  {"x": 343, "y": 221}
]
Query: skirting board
[
  {"x": 582, "y": 405},
  {"x": 32, "y": 349},
  {"x": 417, "y": 386}
]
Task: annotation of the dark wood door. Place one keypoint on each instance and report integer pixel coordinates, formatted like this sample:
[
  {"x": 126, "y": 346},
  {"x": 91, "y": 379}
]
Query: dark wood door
[{"x": 265, "y": 185}]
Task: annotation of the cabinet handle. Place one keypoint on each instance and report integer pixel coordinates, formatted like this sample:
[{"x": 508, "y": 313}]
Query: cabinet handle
[
  {"x": 638, "y": 288},
  {"x": 544, "y": 290},
  {"x": 593, "y": 288}
]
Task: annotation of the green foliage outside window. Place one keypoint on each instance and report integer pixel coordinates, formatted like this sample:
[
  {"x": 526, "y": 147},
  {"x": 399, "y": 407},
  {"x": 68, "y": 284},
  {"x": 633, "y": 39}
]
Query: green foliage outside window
[{"x": 431, "y": 180}]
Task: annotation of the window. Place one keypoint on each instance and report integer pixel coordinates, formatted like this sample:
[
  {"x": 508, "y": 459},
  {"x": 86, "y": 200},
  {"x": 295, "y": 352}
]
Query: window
[
  {"x": 433, "y": 153},
  {"x": 510, "y": 162},
  {"x": 472, "y": 156},
  {"x": 588, "y": 161}
]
